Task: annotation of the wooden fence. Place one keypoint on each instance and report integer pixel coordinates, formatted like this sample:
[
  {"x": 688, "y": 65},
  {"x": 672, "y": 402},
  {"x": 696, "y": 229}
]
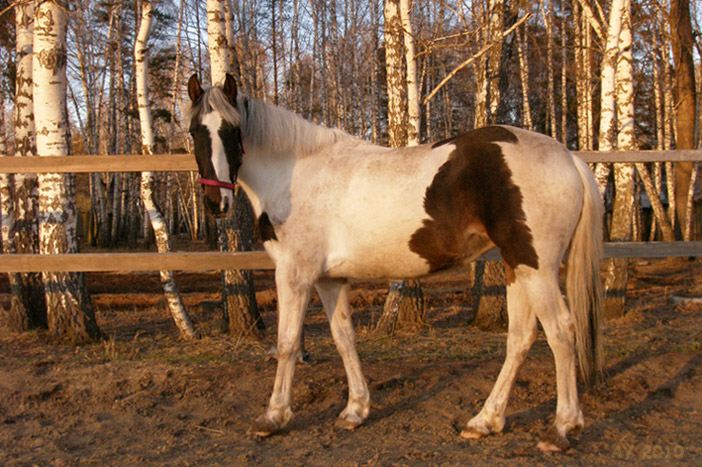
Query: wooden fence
[{"x": 205, "y": 261}]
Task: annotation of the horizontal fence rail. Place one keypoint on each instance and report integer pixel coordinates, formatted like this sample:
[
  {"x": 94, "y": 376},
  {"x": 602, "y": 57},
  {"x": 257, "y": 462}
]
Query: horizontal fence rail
[
  {"x": 186, "y": 162},
  {"x": 207, "y": 261},
  {"x": 214, "y": 260}
]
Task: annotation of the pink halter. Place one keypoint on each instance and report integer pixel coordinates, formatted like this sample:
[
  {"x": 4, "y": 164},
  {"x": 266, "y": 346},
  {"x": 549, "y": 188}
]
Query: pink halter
[{"x": 217, "y": 183}]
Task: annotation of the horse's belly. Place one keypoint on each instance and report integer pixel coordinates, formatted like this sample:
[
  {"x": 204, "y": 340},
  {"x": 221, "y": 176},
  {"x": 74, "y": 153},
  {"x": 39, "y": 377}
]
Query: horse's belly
[
  {"x": 375, "y": 249},
  {"x": 377, "y": 265}
]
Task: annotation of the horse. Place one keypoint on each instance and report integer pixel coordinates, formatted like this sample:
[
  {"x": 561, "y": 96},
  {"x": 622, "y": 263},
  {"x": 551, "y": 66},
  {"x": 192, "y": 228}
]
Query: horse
[{"x": 332, "y": 207}]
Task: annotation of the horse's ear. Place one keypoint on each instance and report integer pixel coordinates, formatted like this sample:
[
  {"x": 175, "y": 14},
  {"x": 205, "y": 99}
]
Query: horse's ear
[
  {"x": 230, "y": 88},
  {"x": 194, "y": 88}
]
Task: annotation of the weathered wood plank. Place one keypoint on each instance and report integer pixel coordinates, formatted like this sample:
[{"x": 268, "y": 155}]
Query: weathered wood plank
[
  {"x": 127, "y": 262},
  {"x": 640, "y": 156},
  {"x": 88, "y": 164},
  {"x": 186, "y": 162},
  {"x": 652, "y": 249},
  {"x": 208, "y": 261}
]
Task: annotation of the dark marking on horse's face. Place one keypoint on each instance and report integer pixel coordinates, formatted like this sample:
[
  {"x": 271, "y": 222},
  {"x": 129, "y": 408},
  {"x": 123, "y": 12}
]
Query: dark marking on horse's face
[
  {"x": 203, "y": 156},
  {"x": 266, "y": 228},
  {"x": 231, "y": 140},
  {"x": 471, "y": 201}
]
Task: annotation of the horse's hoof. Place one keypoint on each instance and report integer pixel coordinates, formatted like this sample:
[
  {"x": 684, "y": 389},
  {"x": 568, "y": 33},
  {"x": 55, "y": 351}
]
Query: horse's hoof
[
  {"x": 553, "y": 441},
  {"x": 471, "y": 432},
  {"x": 348, "y": 422},
  {"x": 263, "y": 427}
]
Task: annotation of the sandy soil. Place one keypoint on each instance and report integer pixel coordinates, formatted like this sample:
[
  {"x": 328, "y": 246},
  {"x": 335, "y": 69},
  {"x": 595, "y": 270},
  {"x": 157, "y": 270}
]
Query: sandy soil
[{"x": 145, "y": 397}]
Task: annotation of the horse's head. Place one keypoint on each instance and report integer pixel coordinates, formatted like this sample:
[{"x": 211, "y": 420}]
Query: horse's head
[{"x": 215, "y": 128}]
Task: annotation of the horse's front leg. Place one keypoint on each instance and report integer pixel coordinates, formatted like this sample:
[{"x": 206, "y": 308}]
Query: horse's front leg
[
  {"x": 335, "y": 298},
  {"x": 293, "y": 295}
]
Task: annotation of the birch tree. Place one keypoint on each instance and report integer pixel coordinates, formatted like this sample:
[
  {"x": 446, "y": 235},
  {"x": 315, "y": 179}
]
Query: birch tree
[
  {"x": 411, "y": 63},
  {"x": 488, "y": 291},
  {"x": 404, "y": 305},
  {"x": 27, "y": 303},
  {"x": 551, "y": 92},
  {"x": 234, "y": 232},
  {"x": 175, "y": 303},
  {"x": 617, "y": 268},
  {"x": 608, "y": 90},
  {"x": 523, "y": 55},
  {"x": 18, "y": 322},
  {"x": 583, "y": 72},
  {"x": 70, "y": 315}
]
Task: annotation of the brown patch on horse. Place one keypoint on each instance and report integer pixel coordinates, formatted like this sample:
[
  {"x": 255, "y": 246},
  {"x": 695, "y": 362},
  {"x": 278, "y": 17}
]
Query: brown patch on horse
[
  {"x": 473, "y": 201},
  {"x": 510, "y": 277}
]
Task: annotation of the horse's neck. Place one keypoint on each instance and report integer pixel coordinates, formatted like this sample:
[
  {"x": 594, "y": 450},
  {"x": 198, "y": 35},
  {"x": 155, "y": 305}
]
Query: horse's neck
[
  {"x": 267, "y": 182},
  {"x": 275, "y": 140}
]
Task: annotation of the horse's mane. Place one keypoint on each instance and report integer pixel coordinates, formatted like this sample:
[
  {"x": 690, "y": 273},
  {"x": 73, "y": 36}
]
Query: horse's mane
[
  {"x": 269, "y": 128},
  {"x": 279, "y": 131}
]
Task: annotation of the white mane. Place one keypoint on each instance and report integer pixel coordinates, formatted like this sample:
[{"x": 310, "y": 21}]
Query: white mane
[{"x": 276, "y": 131}]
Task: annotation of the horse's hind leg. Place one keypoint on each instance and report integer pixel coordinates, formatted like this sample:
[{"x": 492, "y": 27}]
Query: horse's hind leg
[
  {"x": 520, "y": 337},
  {"x": 559, "y": 327},
  {"x": 335, "y": 298},
  {"x": 293, "y": 295}
]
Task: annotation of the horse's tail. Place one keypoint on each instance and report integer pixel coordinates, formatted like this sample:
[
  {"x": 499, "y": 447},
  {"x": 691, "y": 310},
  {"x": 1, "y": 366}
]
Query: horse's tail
[{"x": 584, "y": 284}]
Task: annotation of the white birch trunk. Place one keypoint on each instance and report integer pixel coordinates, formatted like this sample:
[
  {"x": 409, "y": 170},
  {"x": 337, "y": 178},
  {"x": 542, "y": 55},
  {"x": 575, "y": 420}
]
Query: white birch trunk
[
  {"x": 412, "y": 88},
  {"x": 690, "y": 206},
  {"x": 496, "y": 37},
  {"x": 235, "y": 232},
  {"x": 551, "y": 88},
  {"x": 69, "y": 313},
  {"x": 524, "y": 75},
  {"x": 582, "y": 84},
  {"x": 608, "y": 90},
  {"x": 27, "y": 307},
  {"x": 394, "y": 57},
  {"x": 175, "y": 303},
  {"x": 6, "y": 190},
  {"x": 404, "y": 305},
  {"x": 217, "y": 43},
  {"x": 617, "y": 268}
]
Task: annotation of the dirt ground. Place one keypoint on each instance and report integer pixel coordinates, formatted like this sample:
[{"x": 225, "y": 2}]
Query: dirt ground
[{"x": 146, "y": 397}]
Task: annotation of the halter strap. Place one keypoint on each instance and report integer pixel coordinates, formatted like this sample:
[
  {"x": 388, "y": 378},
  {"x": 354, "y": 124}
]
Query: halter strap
[{"x": 217, "y": 183}]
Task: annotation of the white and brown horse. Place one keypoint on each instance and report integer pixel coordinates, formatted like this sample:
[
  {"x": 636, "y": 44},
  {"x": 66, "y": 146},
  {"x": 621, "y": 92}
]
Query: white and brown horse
[{"x": 333, "y": 207}]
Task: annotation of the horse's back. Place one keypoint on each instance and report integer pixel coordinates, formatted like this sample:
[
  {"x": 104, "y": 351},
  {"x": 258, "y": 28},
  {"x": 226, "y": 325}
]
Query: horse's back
[{"x": 411, "y": 211}]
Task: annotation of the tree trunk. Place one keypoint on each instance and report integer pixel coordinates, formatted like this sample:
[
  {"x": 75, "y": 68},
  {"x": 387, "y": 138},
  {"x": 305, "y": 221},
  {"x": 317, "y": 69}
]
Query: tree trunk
[
  {"x": 217, "y": 41},
  {"x": 522, "y": 53},
  {"x": 621, "y": 231},
  {"x": 489, "y": 290},
  {"x": 16, "y": 322},
  {"x": 175, "y": 303},
  {"x": 411, "y": 62},
  {"x": 27, "y": 302},
  {"x": 489, "y": 296},
  {"x": 404, "y": 305},
  {"x": 235, "y": 233},
  {"x": 608, "y": 91},
  {"x": 683, "y": 41},
  {"x": 70, "y": 315},
  {"x": 551, "y": 92},
  {"x": 238, "y": 293}
]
